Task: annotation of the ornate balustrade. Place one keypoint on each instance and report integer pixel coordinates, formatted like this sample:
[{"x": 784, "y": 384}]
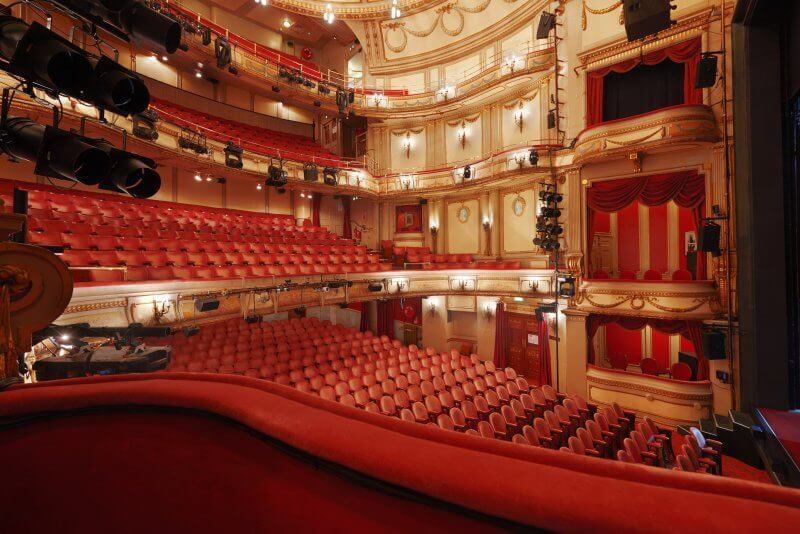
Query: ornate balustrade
[
  {"x": 668, "y": 401},
  {"x": 172, "y": 302},
  {"x": 686, "y": 300},
  {"x": 677, "y": 125}
]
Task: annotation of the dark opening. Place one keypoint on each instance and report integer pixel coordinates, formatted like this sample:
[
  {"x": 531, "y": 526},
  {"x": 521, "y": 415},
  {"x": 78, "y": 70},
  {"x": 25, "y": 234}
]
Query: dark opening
[{"x": 645, "y": 88}]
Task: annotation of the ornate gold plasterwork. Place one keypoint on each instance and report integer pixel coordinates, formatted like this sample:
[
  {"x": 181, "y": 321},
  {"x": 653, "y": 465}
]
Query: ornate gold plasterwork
[
  {"x": 95, "y": 306},
  {"x": 527, "y": 98},
  {"x": 407, "y": 131},
  {"x": 638, "y": 301},
  {"x": 460, "y": 122},
  {"x": 601, "y": 11},
  {"x": 451, "y": 8},
  {"x": 689, "y": 397}
]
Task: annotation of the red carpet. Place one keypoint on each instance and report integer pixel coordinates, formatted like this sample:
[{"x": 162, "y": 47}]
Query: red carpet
[{"x": 731, "y": 467}]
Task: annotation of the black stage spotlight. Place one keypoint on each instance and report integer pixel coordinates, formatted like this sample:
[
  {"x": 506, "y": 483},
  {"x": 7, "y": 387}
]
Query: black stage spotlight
[
  {"x": 709, "y": 238},
  {"x": 706, "y": 73},
  {"x": 351, "y": 96},
  {"x": 566, "y": 287},
  {"x": 375, "y": 287},
  {"x": 317, "y": 103},
  {"x": 533, "y": 157},
  {"x": 222, "y": 51},
  {"x": 57, "y": 153},
  {"x": 276, "y": 89},
  {"x": 551, "y": 119},
  {"x": 233, "y": 155},
  {"x": 546, "y": 24},
  {"x": 467, "y": 172},
  {"x": 341, "y": 100},
  {"x": 206, "y": 36},
  {"x": 281, "y": 190},
  {"x": 144, "y": 125},
  {"x": 118, "y": 89},
  {"x": 190, "y": 331},
  {"x": 129, "y": 173},
  {"x": 276, "y": 176},
  {"x": 323, "y": 89},
  {"x": 206, "y": 305},
  {"x": 329, "y": 176},
  {"x": 310, "y": 172},
  {"x": 39, "y": 55},
  {"x": 250, "y": 319},
  {"x": 148, "y": 27}
]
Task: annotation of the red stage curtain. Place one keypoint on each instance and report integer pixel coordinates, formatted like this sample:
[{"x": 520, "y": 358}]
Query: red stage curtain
[
  {"x": 347, "y": 231},
  {"x": 545, "y": 373},
  {"x": 316, "y": 203},
  {"x": 500, "y": 336},
  {"x": 385, "y": 324},
  {"x": 687, "y": 189},
  {"x": 687, "y": 52},
  {"x": 364, "y": 324},
  {"x": 688, "y": 329}
]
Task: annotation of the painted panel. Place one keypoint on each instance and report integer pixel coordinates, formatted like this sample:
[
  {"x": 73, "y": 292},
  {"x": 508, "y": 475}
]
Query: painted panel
[
  {"x": 519, "y": 230},
  {"x": 408, "y": 219},
  {"x": 463, "y": 237}
]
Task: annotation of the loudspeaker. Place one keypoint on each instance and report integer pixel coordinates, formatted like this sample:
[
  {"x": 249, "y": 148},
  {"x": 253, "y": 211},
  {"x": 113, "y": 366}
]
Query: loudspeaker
[
  {"x": 714, "y": 345},
  {"x": 206, "y": 305},
  {"x": 706, "y": 74},
  {"x": 645, "y": 17},
  {"x": 551, "y": 119},
  {"x": 708, "y": 240},
  {"x": 423, "y": 202},
  {"x": 546, "y": 23}
]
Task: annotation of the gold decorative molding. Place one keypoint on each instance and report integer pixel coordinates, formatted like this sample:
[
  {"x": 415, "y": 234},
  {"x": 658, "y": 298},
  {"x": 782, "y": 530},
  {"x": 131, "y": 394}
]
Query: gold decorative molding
[
  {"x": 95, "y": 306},
  {"x": 600, "y": 11}
]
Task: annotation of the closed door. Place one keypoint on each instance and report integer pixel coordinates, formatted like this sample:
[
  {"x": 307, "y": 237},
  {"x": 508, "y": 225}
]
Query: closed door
[{"x": 522, "y": 355}]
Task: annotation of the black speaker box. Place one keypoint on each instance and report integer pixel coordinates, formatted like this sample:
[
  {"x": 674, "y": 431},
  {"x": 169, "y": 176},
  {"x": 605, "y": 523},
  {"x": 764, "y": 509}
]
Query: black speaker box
[
  {"x": 714, "y": 345},
  {"x": 708, "y": 240},
  {"x": 706, "y": 75},
  {"x": 546, "y": 23},
  {"x": 645, "y": 17},
  {"x": 423, "y": 202}
]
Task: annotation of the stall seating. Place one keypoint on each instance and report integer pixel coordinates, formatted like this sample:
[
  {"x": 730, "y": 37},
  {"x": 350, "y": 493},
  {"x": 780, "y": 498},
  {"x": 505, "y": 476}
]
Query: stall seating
[
  {"x": 447, "y": 390},
  {"x": 110, "y": 239},
  {"x": 251, "y": 138}
]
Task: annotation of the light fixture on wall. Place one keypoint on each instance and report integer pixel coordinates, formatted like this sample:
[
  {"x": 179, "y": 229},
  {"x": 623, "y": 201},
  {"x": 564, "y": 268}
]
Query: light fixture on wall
[
  {"x": 394, "y": 11},
  {"x": 434, "y": 233},
  {"x": 160, "y": 310},
  {"x": 519, "y": 116},
  {"x": 462, "y": 134},
  {"x": 510, "y": 63},
  {"x": 487, "y": 228},
  {"x": 432, "y": 308},
  {"x": 488, "y": 312},
  {"x": 532, "y": 285},
  {"x": 406, "y": 144},
  {"x": 261, "y": 2},
  {"x": 406, "y": 182},
  {"x": 329, "y": 17}
]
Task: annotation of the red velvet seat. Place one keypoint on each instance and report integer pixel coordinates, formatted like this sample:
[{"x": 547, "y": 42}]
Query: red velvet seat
[
  {"x": 649, "y": 366},
  {"x": 680, "y": 371}
]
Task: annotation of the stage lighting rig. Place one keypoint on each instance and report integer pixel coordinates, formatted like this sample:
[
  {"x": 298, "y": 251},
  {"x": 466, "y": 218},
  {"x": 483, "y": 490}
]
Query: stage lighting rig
[
  {"x": 222, "y": 51},
  {"x": 329, "y": 176},
  {"x": 276, "y": 176},
  {"x": 129, "y": 173},
  {"x": 130, "y": 20},
  {"x": 144, "y": 125},
  {"x": 233, "y": 155},
  {"x": 194, "y": 141},
  {"x": 548, "y": 227},
  {"x": 46, "y": 60}
]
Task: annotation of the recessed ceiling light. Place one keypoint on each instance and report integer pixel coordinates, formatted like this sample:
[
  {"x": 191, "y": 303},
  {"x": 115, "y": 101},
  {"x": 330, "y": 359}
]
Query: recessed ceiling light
[
  {"x": 287, "y": 23},
  {"x": 198, "y": 178},
  {"x": 208, "y": 178},
  {"x": 164, "y": 58},
  {"x": 199, "y": 65},
  {"x": 198, "y": 74}
]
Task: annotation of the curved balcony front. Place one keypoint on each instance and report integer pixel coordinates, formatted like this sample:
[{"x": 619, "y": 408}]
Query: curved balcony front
[
  {"x": 692, "y": 300},
  {"x": 684, "y": 125}
]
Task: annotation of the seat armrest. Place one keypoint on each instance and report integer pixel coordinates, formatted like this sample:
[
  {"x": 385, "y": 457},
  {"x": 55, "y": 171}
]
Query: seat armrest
[
  {"x": 592, "y": 452},
  {"x": 607, "y": 434},
  {"x": 614, "y": 426},
  {"x": 714, "y": 444}
]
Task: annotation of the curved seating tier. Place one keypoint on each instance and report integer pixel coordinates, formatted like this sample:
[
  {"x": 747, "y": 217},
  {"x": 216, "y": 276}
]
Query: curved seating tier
[
  {"x": 110, "y": 239},
  {"x": 449, "y": 390},
  {"x": 252, "y": 138},
  {"x": 433, "y": 262}
]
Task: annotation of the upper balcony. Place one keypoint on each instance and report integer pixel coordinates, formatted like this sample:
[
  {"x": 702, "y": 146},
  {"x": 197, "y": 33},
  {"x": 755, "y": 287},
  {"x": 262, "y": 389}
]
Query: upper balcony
[
  {"x": 663, "y": 129},
  {"x": 256, "y": 63}
]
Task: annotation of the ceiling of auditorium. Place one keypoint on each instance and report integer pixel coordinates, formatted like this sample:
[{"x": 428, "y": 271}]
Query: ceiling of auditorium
[{"x": 310, "y": 29}]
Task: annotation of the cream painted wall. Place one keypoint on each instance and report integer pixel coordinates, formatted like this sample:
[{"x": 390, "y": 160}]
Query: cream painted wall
[
  {"x": 434, "y": 324},
  {"x": 519, "y": 41},
  {"x": 416, "y": 158},
  {"x": 455, "y": 72},
  {"x": 415, "y": 83},
  {"x": 518, "y": 232},
  {"x": 463, "y": 238},
  {"x": 484, "y": 327},
  {"x": 151, "y": 67},
  {"x": 473, "y": 145},
  {"x": 201, "y": 193},
  {"x": 238, "y": 97},
  {"x": 531, "y": 123},
  {"x": 247, "y": 29}
]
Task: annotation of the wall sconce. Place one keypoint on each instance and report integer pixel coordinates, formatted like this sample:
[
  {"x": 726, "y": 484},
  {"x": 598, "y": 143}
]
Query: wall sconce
[
  {"x": 462, "y": 134},
  {"x": 160, "y": 310},
  {"x": 636, "y": 159},
  {"x": 445, "y": 93},
  {"x": 434, "y": 233},
  {"x": 400, "y": 284},
  {"x": 406, "y": 182},
  {"x": 510, "y": 62},
  {"x": 462, "y": 283},
  {"x": 519, "y": 115},
  {"x": 488, "y": 312},
  {"x": 531, "y": 285},
  {"x": 432, "y": 308},
  {"x": 379, "y": 100},
  {"x": 407, "y": 144}
]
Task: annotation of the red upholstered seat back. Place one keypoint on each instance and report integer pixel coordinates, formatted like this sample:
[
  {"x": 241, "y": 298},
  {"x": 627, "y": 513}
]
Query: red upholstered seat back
[
  {"x": 680, "y": 371},
  {"x": 649, "y": 366},
  {"x": 682, "y": 274}
]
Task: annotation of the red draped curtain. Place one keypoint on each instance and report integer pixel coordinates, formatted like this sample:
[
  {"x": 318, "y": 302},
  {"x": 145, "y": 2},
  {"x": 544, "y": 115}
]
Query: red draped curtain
[
  {"x": 691, "y": 330},
  {"x": 500, "y": 336},
  {"x": 364, "y": 324},
  {"x": 385, "y": 324},
  {"x": 347, "y": 231},
  {"x": 316, "y": 204},
  {"x": 545, "y": 372},
  {"x": 687, "y": 52},
  {"x": 687, "y": 189}
]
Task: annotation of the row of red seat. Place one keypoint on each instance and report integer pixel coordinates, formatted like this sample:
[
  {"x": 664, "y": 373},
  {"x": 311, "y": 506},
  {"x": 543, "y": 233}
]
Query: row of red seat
[
  {"x": 651, "y": 274},
  {"x": 252, "y": 138},
  {"x": 650, "y": 366}
]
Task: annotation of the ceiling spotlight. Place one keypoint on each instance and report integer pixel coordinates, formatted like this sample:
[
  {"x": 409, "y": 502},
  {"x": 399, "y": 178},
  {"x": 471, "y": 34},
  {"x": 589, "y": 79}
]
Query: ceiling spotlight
[
  {"x": 394, "y": 12},
  {"x": 199, "y": 65},
  {"x": 208, "y": 178},
  {"x": 198, "y": 74},
  {"x": 287, "y": 23},
  {"x": 198, "y": 178},
  {"x": 164, "y": 58},
  {"x": 533, "y": 157},
  {"x": 467, "y": 172},
  {"x": 258, "y": 186},
  {"x": 329, "y": 17}
]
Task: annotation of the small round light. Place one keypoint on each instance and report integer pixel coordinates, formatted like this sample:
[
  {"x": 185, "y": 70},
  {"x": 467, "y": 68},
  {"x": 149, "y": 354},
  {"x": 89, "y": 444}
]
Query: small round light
[
  {"x": 198, "y": 74},
  {"x": 198, "y": 178},
  {"x": 164, "y": 58}
]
